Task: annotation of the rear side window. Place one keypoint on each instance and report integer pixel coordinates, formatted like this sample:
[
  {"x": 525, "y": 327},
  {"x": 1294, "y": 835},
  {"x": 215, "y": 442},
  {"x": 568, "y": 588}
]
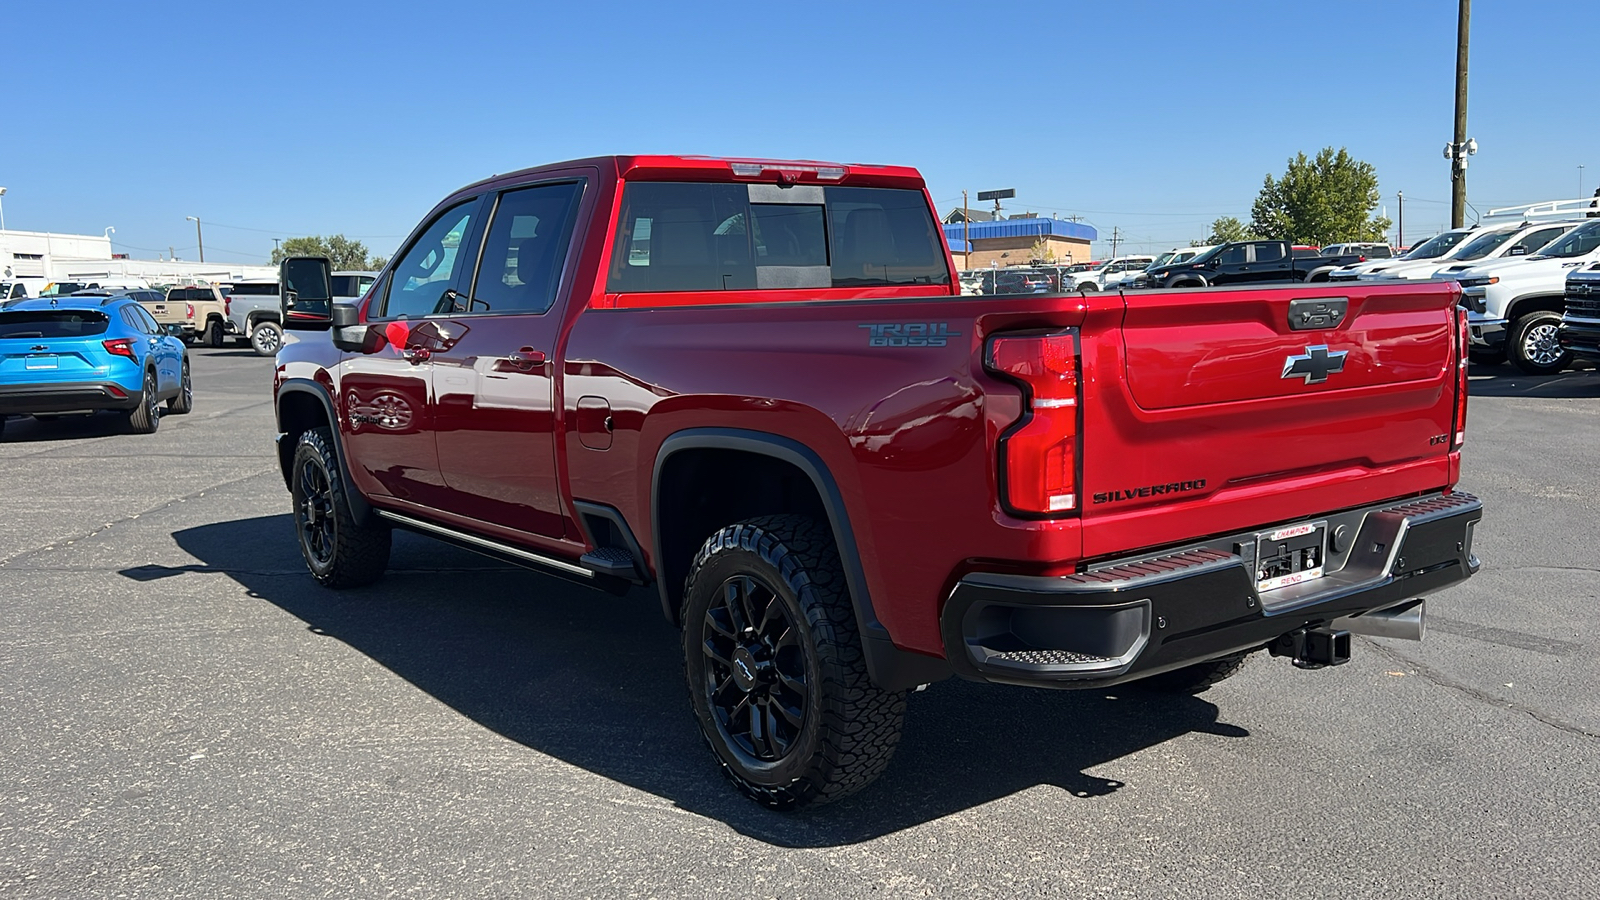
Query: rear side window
[
  {"x": 1269, "y": 252},
  {"x": 718, "y": 237},
  {"x": 52, "y": 323},
  {"x": 258, "y": 289},
  {"x": 525, "y": 249}
]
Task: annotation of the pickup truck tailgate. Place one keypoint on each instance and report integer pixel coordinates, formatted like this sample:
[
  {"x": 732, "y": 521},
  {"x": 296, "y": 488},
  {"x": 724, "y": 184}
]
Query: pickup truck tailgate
[{"x": 1210, "y": 411}]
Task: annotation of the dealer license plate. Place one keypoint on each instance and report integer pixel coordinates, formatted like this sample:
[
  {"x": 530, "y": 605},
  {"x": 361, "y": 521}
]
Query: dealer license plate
[
  {"x": 1291, "y": 555},
  {"x": 42, "y": 362}
]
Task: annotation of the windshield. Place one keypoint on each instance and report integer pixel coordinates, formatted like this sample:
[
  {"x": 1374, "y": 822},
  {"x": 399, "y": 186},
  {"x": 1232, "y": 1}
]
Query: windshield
[
  {"x": 1438, "y": 245},
  {"x": 1483, "y": 245},
  {"x": 1206, "y": 256},
  {"x": 1580, "y": 241}
]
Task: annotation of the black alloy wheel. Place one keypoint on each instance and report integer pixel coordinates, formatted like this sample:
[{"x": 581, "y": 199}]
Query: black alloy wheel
[
  {"x": 319, "y": 529},
  {"x": 755, "y": 674},
  {"x": 212, "y": 336},
  {"x": 339, "y": 551},
  {"x": 776, "y": 673}
]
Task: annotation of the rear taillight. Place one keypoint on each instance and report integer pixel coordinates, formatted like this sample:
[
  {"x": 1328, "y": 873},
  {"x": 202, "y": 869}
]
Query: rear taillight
[
  {"x": 119, "y": 347},
  {"x": 227, "y": 306},
  {"x": 188, "y": 310},
  {"x": 1039, "y": 454},
  {"x": 1459, "y": 432}
]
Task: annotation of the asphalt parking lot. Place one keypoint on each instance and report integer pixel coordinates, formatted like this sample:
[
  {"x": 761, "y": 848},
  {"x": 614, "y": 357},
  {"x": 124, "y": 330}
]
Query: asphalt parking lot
[{"x": 184, "y": 713}]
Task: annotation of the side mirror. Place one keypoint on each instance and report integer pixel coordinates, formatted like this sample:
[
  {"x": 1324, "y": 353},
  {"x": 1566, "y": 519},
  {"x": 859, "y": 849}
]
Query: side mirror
[
  {"x": 173, "y": 330},
  {"x": 305, "y": 293},
  {"x": 350, "y": 335}
]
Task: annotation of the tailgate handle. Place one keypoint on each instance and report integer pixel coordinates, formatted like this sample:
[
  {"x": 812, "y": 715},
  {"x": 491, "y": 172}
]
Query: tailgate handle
[{"x": 1316, "y": 313}]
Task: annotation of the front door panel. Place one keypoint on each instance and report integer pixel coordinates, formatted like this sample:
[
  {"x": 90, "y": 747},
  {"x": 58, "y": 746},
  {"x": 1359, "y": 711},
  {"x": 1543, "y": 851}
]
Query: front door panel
[
  {"x": 494, "y": 392},
  {"x": 386, "y": 393},
  {"x": 496, "y": 423}
]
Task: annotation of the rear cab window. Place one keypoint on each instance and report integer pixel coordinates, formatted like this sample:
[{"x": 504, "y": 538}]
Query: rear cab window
[
  {"x": 255, "y": 289},
  {"x": 827, "y": 241}
]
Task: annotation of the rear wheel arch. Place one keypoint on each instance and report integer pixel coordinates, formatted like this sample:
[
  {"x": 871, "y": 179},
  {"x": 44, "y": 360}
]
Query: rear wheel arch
[
  {"x": 302, "y": 405},
  {"x": 708, "y": 478}
]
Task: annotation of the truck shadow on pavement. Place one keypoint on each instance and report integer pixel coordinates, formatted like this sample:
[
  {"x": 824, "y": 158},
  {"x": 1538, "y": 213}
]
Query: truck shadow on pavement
[
  {"x": 1509, "y": 381},
  {"x": 596, "y": 681}
]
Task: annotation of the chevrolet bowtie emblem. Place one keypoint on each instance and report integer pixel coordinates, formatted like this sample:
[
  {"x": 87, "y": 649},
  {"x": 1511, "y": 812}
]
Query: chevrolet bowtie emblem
[{"x": 1315, "y": 365}]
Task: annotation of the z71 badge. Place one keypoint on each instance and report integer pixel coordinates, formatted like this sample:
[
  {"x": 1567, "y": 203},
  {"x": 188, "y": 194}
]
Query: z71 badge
[{"x": 910, "y": 334}]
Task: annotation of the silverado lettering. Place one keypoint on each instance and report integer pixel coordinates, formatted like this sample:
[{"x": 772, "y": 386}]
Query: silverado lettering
[
  {"x": 647, "y": 371},
  {"x": 1154, "y": 490}
]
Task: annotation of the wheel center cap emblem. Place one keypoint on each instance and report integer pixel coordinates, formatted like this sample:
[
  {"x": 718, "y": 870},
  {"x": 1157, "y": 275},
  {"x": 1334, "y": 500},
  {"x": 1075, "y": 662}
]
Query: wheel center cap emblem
[{"x": 744, "y": 669}]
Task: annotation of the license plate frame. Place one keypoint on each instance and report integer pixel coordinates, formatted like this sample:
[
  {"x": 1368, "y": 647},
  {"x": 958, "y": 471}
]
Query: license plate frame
[{"x": 1291, "y": 555}]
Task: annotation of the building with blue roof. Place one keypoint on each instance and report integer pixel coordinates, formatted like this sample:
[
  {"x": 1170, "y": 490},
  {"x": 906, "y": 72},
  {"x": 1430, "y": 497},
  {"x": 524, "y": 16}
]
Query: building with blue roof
[{"x": 1012, "y": 242}]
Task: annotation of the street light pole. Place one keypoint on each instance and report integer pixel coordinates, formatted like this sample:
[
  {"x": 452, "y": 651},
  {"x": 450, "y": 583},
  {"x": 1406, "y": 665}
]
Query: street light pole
[
  {"x": 2, "y": 210},
  {"x": 1400, "y": 239},
  {"x": 200, "y": 238},
  {"x": 1580, "y": 179}
]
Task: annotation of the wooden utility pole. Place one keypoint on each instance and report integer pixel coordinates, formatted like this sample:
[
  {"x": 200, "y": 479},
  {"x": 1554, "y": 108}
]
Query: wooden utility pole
[{"x": 1458, "y": 162}]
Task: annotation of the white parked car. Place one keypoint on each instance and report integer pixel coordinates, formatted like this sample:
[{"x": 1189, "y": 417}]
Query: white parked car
[{"x": 1514, "y": 304}]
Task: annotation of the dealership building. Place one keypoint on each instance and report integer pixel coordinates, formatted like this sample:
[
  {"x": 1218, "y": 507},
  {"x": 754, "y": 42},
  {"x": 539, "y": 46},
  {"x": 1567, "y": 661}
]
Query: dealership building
[
  {"x": 37, "y": 258},
  {"x": 1017, "y": 241}
]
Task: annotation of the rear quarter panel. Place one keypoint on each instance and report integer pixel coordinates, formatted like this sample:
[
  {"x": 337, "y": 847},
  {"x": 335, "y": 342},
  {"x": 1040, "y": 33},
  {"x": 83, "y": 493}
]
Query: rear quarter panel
[{"x": 908, "y": 433}]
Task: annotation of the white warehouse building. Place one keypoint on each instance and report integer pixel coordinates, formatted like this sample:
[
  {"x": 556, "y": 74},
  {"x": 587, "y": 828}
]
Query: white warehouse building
[{"x": 37, "y": 258}]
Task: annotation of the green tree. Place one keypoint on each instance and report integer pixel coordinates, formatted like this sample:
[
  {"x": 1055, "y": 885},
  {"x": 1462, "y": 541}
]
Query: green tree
[
  {"x": 1327, "y": 200},
  {"x": 343, "y": 252},
  {"x": 1224, "y": 230}
]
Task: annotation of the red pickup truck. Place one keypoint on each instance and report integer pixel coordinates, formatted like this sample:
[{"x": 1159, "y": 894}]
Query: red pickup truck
[{"x": 754, "y": 385}]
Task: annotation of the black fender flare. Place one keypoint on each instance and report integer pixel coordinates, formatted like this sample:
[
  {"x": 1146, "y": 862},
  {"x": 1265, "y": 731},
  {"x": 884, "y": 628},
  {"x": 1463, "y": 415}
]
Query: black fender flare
[
  {"x": 1184, "y": 280},
  {"x": 890, "y": 667},
  {"x": 360, "y": 509}
]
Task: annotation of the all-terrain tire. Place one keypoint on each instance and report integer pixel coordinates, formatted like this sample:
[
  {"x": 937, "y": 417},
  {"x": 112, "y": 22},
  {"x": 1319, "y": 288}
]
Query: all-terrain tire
[
  {"x": 339, "y": 552},
  {"x": 266, "y": 338},
  {"x": 146, "y": 417},
  {"x": 1197, "y": 678},
  {"x": 183, "y": 402},
  {"x": 835, "y": 731},
  {"x": 212, "y": 336},
  {"x": 1533, "y": 347}
]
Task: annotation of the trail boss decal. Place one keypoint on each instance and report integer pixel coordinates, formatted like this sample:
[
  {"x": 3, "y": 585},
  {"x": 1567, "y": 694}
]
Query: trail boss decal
[
  {"x": 1154, "y": 490},
  {"x": 910, "y": 334}
]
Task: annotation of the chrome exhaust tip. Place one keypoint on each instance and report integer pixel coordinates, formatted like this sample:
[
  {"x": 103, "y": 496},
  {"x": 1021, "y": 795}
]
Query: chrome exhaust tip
[{"x": 1403, "y": 620}]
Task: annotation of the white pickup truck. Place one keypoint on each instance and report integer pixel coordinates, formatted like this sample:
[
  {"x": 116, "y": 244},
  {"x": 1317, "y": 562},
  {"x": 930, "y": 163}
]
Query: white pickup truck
[
  {"x": 1514, "y": 304},
  {"x": 254, "y": 308}
]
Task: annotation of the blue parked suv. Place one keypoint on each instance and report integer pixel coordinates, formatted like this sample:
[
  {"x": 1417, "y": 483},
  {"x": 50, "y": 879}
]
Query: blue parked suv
[{"x": 90, "y": 351}]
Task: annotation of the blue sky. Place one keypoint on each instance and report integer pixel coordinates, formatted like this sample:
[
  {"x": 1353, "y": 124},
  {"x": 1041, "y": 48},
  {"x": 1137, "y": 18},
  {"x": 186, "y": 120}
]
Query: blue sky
[{"x": 276, "y": 120}]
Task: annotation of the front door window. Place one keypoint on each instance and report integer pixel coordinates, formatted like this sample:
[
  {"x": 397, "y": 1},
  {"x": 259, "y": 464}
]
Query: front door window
[{"x": 427, "y": 271}]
